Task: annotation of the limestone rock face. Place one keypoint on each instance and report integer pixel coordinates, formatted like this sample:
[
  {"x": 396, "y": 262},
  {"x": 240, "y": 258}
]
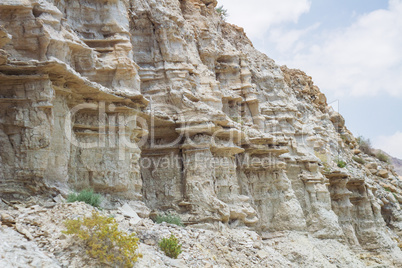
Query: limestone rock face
[{"x": 162, "y": 102}]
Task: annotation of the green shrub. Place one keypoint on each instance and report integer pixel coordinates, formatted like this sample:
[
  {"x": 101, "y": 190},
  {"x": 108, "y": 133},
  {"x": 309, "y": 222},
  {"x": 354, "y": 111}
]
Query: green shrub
[
  {"x": 222, "y": 12},
  {"x": 87, "y": 196},
  {"x": 169, "y": 218},
  {"x": 104, "y": 241},
  {"x": 341, "y": 163},
  {"x": 170, "y": 246},
  {"x": 358, "y": 160},
  {"x": 387, "y": 189},
  {"x": 365, "y": 145},
  {"x": 382, "y": 157}
]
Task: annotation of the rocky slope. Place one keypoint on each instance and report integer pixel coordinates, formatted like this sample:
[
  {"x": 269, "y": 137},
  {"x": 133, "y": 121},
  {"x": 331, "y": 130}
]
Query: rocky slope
[
  {"x": 163, "y": 105},
  {"x": 39, "y": 242}
]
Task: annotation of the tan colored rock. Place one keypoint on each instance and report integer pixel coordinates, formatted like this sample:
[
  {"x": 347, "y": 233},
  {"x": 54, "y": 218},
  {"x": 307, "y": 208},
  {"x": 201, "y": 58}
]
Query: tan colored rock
[
  {"x": 371, "y": 165},
  {"x": 383, "y": 173},
  {"x": 399, "y": 198},
  {"x": 22, "y": 230},
  {"x": 337, "y": 120},
  {"x": 6, "y": 219},
  {"x": 4, "y": 37},
  {"x": 3, "y": 57}
]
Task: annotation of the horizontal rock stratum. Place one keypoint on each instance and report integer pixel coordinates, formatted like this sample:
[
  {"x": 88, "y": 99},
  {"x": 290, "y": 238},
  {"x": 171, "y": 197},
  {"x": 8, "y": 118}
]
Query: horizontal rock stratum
[{"x": 164, "y": 104}]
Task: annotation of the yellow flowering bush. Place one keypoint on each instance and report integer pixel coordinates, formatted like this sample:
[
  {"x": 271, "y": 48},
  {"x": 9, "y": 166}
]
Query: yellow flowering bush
[{"x": 104, "y": 241}]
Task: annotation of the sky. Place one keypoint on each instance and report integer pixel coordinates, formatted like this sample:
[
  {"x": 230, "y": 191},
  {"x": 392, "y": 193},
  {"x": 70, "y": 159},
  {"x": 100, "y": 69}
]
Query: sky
[{"x": 351, "y": 48}]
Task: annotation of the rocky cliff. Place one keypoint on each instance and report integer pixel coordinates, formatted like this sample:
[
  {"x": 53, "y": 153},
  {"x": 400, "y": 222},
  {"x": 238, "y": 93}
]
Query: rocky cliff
[{"x": 164, "y": 105}]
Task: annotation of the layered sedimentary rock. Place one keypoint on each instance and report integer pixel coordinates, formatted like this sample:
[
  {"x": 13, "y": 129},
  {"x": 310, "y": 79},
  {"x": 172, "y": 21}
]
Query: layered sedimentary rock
[
  {"x": 163, "y": 102},
  {"x": 59, "y": 122}
]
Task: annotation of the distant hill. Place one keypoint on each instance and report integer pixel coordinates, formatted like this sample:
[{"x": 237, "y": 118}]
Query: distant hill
[{"x": 397, "y": 164}]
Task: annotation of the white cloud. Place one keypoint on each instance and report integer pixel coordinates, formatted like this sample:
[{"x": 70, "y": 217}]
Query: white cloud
[
  {"x": 390, "y": 144},
  {"x": 362, "y": 59},
  {"x": 257, "y": 16},
  {"x": 289, "y": 40}
]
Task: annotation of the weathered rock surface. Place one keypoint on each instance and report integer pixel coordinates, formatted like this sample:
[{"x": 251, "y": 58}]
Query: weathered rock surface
[
  {"x": 201, "y": 248},
  {"x": 161, "y": 103},
  {"x": 16, "y": 251}
]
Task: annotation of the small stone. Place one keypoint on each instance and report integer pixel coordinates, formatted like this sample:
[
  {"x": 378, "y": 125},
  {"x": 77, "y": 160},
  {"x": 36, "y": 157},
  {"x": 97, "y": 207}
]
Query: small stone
[
  {"x": 127, "y": 211},
  {"x": 257, "y": 245},
  {"x": 62, "y": 236},
  {"x": 149, "y": 242},
  {"x": 6, "y": 219},
  {"x": 371, "y": 165},
  {"x": 24, "y": 231},
  {"x": 383, "y": 173},
  {"x": 262, "y": 254}
]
